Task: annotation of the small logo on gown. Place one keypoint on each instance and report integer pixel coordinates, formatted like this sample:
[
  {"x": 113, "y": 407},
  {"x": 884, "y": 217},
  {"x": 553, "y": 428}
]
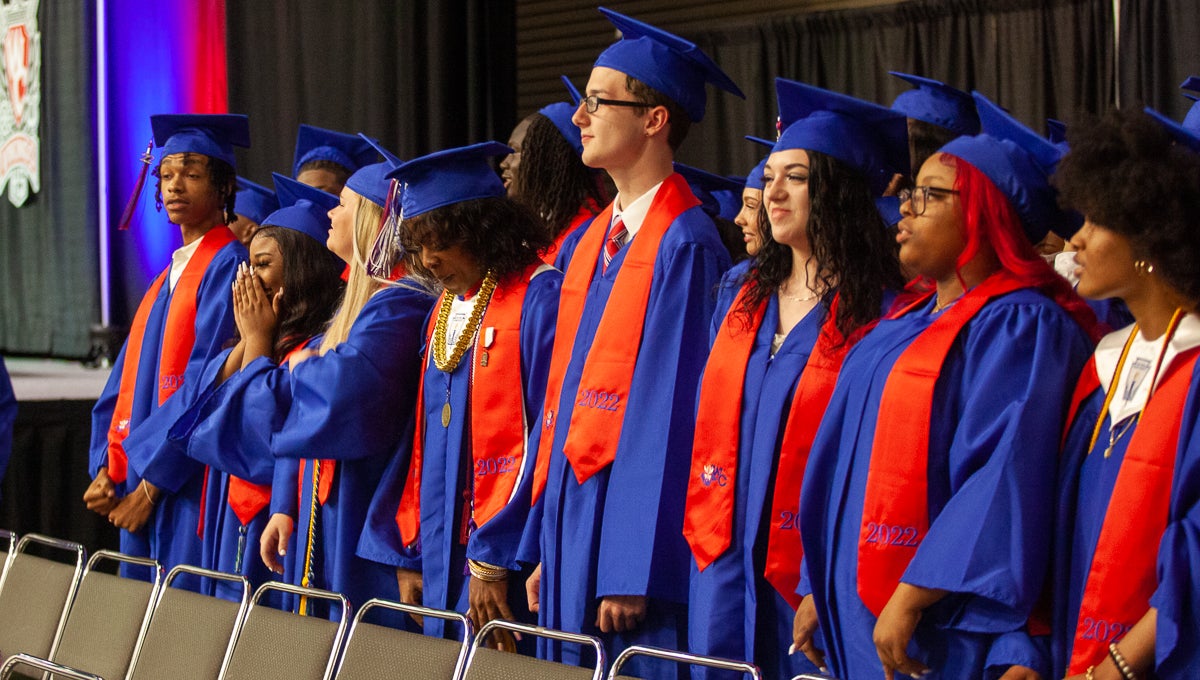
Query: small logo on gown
[{"x": 713, "y": 474}]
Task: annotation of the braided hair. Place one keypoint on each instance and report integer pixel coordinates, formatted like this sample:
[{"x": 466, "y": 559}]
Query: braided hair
[{"x": 552, "y": 180}]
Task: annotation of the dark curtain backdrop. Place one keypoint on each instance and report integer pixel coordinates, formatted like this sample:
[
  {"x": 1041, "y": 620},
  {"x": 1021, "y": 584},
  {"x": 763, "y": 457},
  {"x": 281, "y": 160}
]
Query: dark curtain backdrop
[
  {"x": 420, "y": 76},
  {"x": 1039, "y": 59},
  {"x": 1160, "y": 47},
  {"x": 48, "y": 262}
]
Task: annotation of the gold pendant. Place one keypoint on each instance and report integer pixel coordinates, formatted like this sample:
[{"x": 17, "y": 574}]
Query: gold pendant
[
  {"x": 446, "y": 414},
  {"x": 483, "y": 359}
]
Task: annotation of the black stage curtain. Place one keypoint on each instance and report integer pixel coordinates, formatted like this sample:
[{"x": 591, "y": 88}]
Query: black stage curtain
[
  {"x": 1159, "y": 49},
  {"x": 1038, "y": 58},
  {"x": 48, "y": 262},
  {"x": 420, "y": 76},
  {"x": 43, "y": 489}
]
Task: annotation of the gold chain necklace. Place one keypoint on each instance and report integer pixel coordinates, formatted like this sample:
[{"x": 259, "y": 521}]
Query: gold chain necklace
[{"x": 448, "y": 364}]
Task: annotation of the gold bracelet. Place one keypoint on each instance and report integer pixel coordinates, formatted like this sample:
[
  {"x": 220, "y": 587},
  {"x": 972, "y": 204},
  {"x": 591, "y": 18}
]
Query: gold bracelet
[
  {"x": 1119, "y": 659},
  {"x": 146, "y": 490},
  {"x": 489, "y": 573}
]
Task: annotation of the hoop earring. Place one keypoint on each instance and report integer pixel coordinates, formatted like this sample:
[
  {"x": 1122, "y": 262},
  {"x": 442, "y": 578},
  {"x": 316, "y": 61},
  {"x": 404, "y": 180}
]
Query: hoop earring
[{"x": 1143, "y": 267}]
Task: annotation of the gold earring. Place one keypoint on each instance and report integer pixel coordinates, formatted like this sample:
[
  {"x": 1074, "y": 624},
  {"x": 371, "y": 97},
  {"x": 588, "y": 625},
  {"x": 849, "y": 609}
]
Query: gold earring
[{"x": 1143, "y": 267}]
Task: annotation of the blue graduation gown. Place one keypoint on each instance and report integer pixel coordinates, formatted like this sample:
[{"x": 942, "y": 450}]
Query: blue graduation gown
[
  {"x": 8, "y": 415},
  {"x": 733, "y": 612},
  {"x": 441, "y": 558},
  {"x": 355, "y": 404},
  {"x": 170, "y": 535},
  {"x": 1087, "y": 480},
  {"x": 997, "y": 418},
  {"x": 620, "y": 532}
]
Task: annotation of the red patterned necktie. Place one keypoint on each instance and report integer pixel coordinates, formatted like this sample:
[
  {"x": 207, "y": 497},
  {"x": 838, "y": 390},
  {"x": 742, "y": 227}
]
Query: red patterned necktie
[{"x": 616, "y": 239}]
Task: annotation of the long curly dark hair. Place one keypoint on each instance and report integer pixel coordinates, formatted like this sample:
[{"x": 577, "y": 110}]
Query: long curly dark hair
[
  {"x": 849, "y": 241},
  {"x": 1126, "y": 174},
  {"x": 221, "y": 175},
  {"x": 502, "y": 235},
  {"x": 551, "y": 180},
  {"x": 312, "y": 287}
]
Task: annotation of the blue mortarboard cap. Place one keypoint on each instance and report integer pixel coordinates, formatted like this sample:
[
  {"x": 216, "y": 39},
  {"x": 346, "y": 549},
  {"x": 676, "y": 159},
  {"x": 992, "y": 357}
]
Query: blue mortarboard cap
[
  {"x": 572, "y": 91},
  {"x": 371, "y": 181},
  {"x": 1181, "y": 134},
  {"x": 868, "y": 137},
  {"x": 889, "y": 209},
  {"x": 452, "y": 176},
  {"x": 1019, "y": 162},
  {"x": 211, "y": 134},
  {"x": 669, "y": 64},
  {"x": 560, "y": 114},
  {"x": 717, "y": 194},
  {"x": 254, "y": 201},
  {"x": 754, "y": 180},
  {"x": 304, "y": 209},
  {"x": 1192, "y": 120},
  {"x": 935, "y": 102},
  {"x": 318, "y": 144}
]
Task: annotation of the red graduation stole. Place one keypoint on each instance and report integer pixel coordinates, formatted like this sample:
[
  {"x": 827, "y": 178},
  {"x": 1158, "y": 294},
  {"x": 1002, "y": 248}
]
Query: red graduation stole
[
  {"x": 178, "y": 339},
  {"x": 1122, "y": 576},
  {"x": 498, "y": 436},
  {"x": 247, "y": 499},
  {"x": 327, "y": 468},
  {"x": 599, "y": 412},
  {"x": 895, "y": 515}
]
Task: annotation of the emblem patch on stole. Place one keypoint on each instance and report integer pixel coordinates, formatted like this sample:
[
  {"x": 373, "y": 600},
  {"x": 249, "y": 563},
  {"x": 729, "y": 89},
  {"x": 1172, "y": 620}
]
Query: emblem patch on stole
[
  {"x": 713, "y": 473},
  {"x": 20, "y": 67}
]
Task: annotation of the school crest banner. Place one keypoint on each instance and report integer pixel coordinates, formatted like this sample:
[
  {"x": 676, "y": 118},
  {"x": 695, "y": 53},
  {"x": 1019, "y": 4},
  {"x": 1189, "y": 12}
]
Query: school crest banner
[{"x": 20, "y": 112}]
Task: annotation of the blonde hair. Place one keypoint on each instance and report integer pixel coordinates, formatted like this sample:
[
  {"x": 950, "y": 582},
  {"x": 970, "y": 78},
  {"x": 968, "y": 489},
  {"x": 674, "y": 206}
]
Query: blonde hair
[{"x": 360, "y": 285}]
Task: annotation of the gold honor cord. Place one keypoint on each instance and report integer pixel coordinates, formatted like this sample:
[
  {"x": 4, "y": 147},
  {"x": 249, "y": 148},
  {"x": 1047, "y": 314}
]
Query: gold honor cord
[
  {"x": 307, "y": 579},
  {"x": 464, "y": 340}
]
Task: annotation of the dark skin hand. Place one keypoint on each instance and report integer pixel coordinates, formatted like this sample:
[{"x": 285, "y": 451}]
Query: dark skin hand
[
  {"x": 411, "y": 590},
  {"x": 101, "y": 495},
  {"x": 804, "y": 629},
  {"x": 620, "y": 613},
  {"x": 489, "y": 600},
  {"x": 134, "y": 510}
]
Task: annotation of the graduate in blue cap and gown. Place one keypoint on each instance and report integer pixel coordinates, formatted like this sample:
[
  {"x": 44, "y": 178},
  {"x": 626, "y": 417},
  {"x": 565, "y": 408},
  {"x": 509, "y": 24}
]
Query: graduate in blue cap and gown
[
  {"x": 1125, "y": 589},
  {"x": 545, "y": 172},
  {"x": 282, "y": 300},
  {"x": 252, "y": 205},
  {"x": 325, "y": 159},
  {"x": 937, "y": 113},
  {"x": 927, "y": 504},
  {"x": 636, "y": 303},
  {"x": 149, "y": 491},
  {"x": 752, "y": 216},
  {"x": 344, "y": 408},
  {"x": 720, "y": 199},
  {"x": 451, "y": 520},
  {"x": 826, "y": 272}
]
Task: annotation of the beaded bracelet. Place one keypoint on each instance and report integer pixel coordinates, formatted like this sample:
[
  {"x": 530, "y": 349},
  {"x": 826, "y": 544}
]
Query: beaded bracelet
[
  {"x": 487, "y": 572},
  {"x": 1119, "y": 659}
]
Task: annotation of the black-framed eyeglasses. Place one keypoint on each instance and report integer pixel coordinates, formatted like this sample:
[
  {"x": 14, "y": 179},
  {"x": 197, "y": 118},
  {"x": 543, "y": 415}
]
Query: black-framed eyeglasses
[
  {"x": 593, "y": 103},
  {"x": 919, "y": 197}
]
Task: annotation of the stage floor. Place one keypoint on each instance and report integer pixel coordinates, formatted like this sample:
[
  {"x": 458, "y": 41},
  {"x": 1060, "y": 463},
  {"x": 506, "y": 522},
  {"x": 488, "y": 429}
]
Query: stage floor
[{"x": 54, "y": 379}]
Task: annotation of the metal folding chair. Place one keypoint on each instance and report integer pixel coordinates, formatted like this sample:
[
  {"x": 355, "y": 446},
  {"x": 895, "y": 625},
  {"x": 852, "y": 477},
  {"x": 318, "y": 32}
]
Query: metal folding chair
[
  {"x": 18, "y": 660},
  {"x": 280, "y": 645},
  {"x": 492, "y": 664},
  {"x": 35, "y": 595},
  {"x": 681, "y": 657},
  {"x": 374, "y": 651}
]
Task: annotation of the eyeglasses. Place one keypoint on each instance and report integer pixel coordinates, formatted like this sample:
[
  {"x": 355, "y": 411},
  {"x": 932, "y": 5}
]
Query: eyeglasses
[
  {"x": 593, "y": 103},
  {"x": 919, "y": 197}
]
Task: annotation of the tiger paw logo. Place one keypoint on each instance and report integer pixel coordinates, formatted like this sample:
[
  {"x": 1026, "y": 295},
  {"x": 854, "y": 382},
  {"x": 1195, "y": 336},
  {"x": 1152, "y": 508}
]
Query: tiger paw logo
[
  {"x": 20, "y": 66},
  {"x": 713, "y": 474}
]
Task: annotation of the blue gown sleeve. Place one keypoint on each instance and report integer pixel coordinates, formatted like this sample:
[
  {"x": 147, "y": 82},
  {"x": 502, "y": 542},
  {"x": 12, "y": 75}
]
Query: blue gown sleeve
[
  {"x": 1004, "y": 403},
  {"x": 1177, "y": 598},
  {"x": 149, "y": 450},
  {"x": 8, "y": 416},
  {"x": 1018, "y": 648},
  {"x": 356, "y": 392},
  {"x": 285, "y": 488},
  {"x": 102, "y": 415},
  {"x": 499, "y": 540},
  {"x": 380, "y": 540},
  {"x": 649, "y": 473}
]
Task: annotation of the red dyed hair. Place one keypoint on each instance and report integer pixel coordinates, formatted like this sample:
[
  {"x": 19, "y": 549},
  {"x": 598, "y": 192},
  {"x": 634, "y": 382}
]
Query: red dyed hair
[{"x": 990, "y": 219}]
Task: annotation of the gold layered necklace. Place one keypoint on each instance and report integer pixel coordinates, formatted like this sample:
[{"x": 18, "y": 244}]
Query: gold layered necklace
[{"x": 445, "y": 363}]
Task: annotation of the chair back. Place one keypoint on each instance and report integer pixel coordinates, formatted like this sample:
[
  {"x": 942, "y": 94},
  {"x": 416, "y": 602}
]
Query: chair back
[
  {"x": 107, "y": 618},
  {"x": 492, "y": 664},
  {"x": 190, "y": 636},
  {"x": 281, "y": 645},
  {"x": 375, "y": 651},
  {"x": 680, "y": 657},
  {"x": 26, "y": 661},
  {"x": 35, "y": 594}
]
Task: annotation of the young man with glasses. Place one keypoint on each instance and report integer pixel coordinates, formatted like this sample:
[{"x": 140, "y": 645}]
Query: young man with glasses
[{"x": 637, "y": 301}]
